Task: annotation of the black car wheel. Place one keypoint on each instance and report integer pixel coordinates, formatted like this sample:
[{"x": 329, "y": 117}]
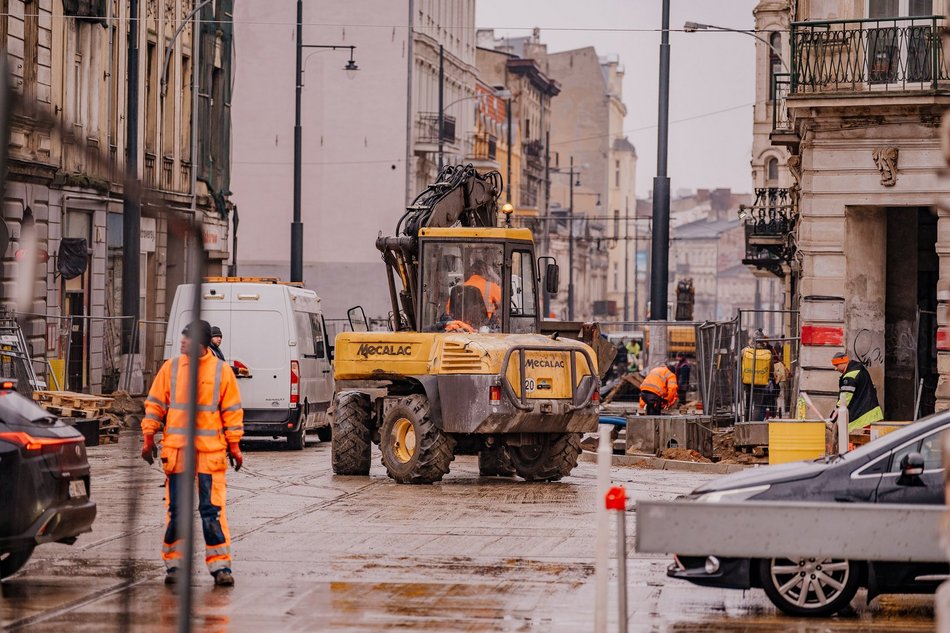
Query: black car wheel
[
  {"x": 809, "y": 586},
  {"x": 11, "y": 562}
]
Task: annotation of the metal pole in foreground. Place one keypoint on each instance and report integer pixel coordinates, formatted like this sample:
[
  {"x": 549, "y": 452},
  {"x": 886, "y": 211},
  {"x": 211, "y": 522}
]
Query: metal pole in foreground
[
  {"x": 617, "y": 500},
  {"x": 131, "y": 206},
  {"x": 441, "y": 107},
  {"x": 296, "y": 227},
  {"x": 570, "y": 247},
  {"x": 661, "y": 184},
  {"x": 601, "y": 547}
]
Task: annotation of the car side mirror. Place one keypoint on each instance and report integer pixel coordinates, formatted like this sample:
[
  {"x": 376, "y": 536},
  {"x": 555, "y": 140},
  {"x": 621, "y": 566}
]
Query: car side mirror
[
  {"x": 912, "y": 465},
  {"x": 357, "y": 318},
  {"x": 551, "y": 278}
]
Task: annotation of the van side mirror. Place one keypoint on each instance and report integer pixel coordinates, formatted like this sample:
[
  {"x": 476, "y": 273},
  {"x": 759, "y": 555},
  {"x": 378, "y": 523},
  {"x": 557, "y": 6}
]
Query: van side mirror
[
  {"x": 357, "y": 318},
  {"x": 912, "y": 465},
  {"x": 551, "y": 278}
]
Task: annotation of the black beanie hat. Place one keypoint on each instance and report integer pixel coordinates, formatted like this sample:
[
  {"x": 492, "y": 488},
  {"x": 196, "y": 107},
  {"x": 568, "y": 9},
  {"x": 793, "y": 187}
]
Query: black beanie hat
[{"x": 203, "y": 332}]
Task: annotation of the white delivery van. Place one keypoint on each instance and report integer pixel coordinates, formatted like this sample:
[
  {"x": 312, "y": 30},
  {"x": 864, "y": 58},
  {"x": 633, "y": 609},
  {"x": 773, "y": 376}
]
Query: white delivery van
[{"x": 277, "y": 332}]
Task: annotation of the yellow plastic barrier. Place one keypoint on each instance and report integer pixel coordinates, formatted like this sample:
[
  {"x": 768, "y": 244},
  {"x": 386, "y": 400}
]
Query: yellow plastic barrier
[{"x": 792, "y": 441}]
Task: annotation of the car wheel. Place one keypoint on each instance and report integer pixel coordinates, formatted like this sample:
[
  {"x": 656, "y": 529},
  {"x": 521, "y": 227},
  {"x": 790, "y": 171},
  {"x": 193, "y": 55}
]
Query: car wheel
[
  {"x": 553, "y": 457},
  {"x": 414, "y": 450},
  {"x": 325, "y": 433},
  {"x": 12, "y": 562},
  {"x": 809, "y": 586},
  {"x": 298, "y": 440}
]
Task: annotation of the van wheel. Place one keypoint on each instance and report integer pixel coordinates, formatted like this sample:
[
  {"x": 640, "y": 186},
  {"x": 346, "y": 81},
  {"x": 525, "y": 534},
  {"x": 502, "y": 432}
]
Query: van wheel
[
  {"x": 325, "y": 433},
  {"x": 350, "y": 453},
  {"x": 555, "y": 456},
  {"x": 297, "y": 441},
  {"x": 415, "y": 450}
]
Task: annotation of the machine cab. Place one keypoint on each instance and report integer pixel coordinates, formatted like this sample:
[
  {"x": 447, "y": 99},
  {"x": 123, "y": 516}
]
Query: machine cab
[{"x": 478, "y": 280}]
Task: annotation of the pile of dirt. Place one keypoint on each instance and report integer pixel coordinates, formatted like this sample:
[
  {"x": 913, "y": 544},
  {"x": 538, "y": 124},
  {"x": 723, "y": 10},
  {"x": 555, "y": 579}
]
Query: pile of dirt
[
  {"x": 684, "y": 455},
  {"x": 124, "y": 404}
]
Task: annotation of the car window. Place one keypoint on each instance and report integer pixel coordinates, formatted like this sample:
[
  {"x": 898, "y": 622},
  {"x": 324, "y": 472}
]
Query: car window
[
  {"x": 304, "y": 338},
  {"x": 932, "y": 449},
  {"x": 899, "y": 455},
  {"x": 317, "y": 329}
]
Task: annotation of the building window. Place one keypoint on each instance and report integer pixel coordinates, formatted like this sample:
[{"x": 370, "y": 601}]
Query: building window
[
  {"x": 771, "y": 170},
  {"x": 527, "y": 129},
  {"x": 616, "y": 223},
  {"x": 775, "y": 59},
  {"x": 616, "y": 173}
]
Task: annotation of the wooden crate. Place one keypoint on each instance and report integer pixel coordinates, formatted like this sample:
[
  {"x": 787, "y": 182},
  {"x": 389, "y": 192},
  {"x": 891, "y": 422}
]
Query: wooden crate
[{"x": 71, "y": 400}]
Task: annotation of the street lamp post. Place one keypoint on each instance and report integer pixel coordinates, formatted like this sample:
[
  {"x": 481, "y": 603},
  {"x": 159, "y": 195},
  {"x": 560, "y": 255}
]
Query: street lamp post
[
  {"x": 692, "y": 27},
  {"x": 659, "y": 278},
  {"x": 441, "y": 106},
  {"x": 296, "y": 227}
]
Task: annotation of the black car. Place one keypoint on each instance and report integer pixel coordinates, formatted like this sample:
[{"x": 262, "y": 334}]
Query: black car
[
  {"x": 44, "y": 480},
  {"x": 902, "y": 467}
]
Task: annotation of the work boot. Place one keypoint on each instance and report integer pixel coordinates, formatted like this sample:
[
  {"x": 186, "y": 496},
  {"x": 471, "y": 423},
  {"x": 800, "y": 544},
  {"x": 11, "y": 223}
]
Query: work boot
[
  {"x": 171, "y": 576},
  {"x": 223, "y": 578}
]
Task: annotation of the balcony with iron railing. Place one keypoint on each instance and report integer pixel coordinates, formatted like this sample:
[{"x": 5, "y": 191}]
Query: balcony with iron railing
[
  {"x": 885, "y": 54},
  {"x": 483, "y": 148},
  {"x": 770, "y": 230},
  {"x": 427, "y": 129},
  {"x": 876, "y": 57}
]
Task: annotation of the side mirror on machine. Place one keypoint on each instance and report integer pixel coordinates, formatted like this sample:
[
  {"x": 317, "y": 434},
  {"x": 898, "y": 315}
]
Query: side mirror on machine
[
  {"x": 357, "y": 318},
  {"x": 551, "y": 278}
]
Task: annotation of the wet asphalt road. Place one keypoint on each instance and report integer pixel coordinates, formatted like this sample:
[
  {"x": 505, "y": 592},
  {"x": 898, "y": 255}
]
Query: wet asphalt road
[{"x": 315, "y": 552}]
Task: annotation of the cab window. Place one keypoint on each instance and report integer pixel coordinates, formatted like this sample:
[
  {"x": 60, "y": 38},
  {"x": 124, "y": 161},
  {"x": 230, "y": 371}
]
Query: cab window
[
  {"x": 930, "y": 447},
  {"x": 523, "y": 292},
  {"x": 304, "y": 337},
  {"x": 462, "y": 287}
]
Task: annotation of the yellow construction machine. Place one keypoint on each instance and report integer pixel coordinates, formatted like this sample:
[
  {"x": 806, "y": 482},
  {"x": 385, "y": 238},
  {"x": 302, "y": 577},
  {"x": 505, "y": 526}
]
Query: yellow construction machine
[{"x": 464, "y": 368}]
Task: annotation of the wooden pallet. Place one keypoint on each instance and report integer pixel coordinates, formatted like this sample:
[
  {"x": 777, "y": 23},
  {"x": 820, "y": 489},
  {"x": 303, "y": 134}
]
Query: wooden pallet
[
  {"x": 69, "y": 412},
  {"x": 71, "y": 400}
]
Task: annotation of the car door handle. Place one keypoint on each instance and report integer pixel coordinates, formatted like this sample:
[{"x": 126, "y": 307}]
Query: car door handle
[{"x": 312, "y": 356}]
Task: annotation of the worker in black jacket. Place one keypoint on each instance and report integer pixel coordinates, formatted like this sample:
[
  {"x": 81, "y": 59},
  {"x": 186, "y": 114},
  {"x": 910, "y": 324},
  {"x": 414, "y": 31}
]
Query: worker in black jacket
[{"x": 856, "y": 391}]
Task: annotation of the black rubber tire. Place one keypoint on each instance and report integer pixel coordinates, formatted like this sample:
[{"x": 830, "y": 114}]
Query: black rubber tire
[
  {"x": 434, "y": 450},
  {"x": 325, "y": 433},
  {"x": 494, "y": 461},
  {"x": 12, "y": 562},
  {"x": 555, "y": 457},
  {"x": 351, "y": 450},
  {"x": 298, "y": 440},
  {"x": 851, "y": 581}
]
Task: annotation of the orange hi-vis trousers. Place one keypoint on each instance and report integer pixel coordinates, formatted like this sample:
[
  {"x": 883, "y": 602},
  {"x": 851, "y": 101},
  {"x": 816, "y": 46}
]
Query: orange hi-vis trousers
[{"x": 211, "y": 469}]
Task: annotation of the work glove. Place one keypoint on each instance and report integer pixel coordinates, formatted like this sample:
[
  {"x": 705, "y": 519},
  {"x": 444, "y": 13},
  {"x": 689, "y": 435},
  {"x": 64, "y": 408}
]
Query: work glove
[
  {"x": 149, "y": 450},
  {"x": 235, "y": 456}
]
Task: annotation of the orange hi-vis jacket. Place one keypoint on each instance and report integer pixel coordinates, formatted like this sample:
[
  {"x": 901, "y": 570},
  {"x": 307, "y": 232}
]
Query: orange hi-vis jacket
[
  {"x": 220, "y": 419},
  {"x": 491, "y": 292},
  {"x": 662, "y": 382}
]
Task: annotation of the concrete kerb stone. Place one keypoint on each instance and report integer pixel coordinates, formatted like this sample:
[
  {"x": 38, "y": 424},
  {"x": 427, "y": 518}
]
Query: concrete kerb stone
[{"x": 658, "y": 463}]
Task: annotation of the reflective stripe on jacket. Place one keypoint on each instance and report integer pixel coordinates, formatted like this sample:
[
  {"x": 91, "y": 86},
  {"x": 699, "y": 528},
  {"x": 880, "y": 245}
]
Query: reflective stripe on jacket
[
  {"x": 662, "y": 382},
  {"x": 220, "y": 419},
  {"x": 491, "y": 292}
]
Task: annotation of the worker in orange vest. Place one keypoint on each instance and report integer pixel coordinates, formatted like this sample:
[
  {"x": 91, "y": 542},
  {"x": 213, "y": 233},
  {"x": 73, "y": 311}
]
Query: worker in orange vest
[
  {"x": 659, "y": 390},
  {"x": 218, "y": 430},
  {"x": 477, "y": 277}
]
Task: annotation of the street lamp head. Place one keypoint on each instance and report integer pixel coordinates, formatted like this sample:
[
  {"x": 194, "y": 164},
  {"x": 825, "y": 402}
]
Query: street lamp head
[
  {"x": 503, "y": 93},
  {"x": 692, "y": 27},
  {"x": 351, "y": 68}
]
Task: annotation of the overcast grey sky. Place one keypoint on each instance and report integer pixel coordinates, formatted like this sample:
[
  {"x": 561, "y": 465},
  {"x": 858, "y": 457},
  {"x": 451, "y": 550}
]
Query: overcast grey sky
[{"x": 712, "y": 76}]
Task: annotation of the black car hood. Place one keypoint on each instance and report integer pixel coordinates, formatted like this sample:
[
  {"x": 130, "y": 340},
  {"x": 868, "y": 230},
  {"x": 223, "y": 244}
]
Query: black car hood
[{"x": 765, "y": 475}]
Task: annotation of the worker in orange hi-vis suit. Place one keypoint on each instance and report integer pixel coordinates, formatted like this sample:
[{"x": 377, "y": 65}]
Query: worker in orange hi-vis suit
[
  {"x": 218, "y": 430},
  {"x": 658, "y": 390}
]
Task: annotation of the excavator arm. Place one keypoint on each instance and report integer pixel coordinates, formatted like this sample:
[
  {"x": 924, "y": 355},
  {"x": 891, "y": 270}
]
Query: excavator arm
[{"x": 460, "y": 196}]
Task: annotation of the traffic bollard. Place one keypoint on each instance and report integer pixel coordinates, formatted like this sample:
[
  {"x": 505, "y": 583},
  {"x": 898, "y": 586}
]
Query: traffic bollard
[
  {"x": 617, "y": 500},
  {"x": 602, "y": 545}
]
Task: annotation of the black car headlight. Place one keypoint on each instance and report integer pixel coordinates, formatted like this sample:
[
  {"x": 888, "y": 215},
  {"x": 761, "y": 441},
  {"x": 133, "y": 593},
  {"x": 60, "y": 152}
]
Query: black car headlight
[{"x": 736, "y": 494}]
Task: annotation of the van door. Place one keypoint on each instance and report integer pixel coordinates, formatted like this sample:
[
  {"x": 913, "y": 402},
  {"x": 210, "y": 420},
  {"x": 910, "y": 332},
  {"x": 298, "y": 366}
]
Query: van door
[
  {"x": 260, "y": 340},
  {"x": 325, "y": 362},
  {"x": 309, "y": 364}
]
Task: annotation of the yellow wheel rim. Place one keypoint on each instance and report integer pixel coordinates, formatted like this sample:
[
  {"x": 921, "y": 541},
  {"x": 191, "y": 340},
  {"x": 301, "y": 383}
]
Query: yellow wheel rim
[{"x": 404, "y": 440}]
